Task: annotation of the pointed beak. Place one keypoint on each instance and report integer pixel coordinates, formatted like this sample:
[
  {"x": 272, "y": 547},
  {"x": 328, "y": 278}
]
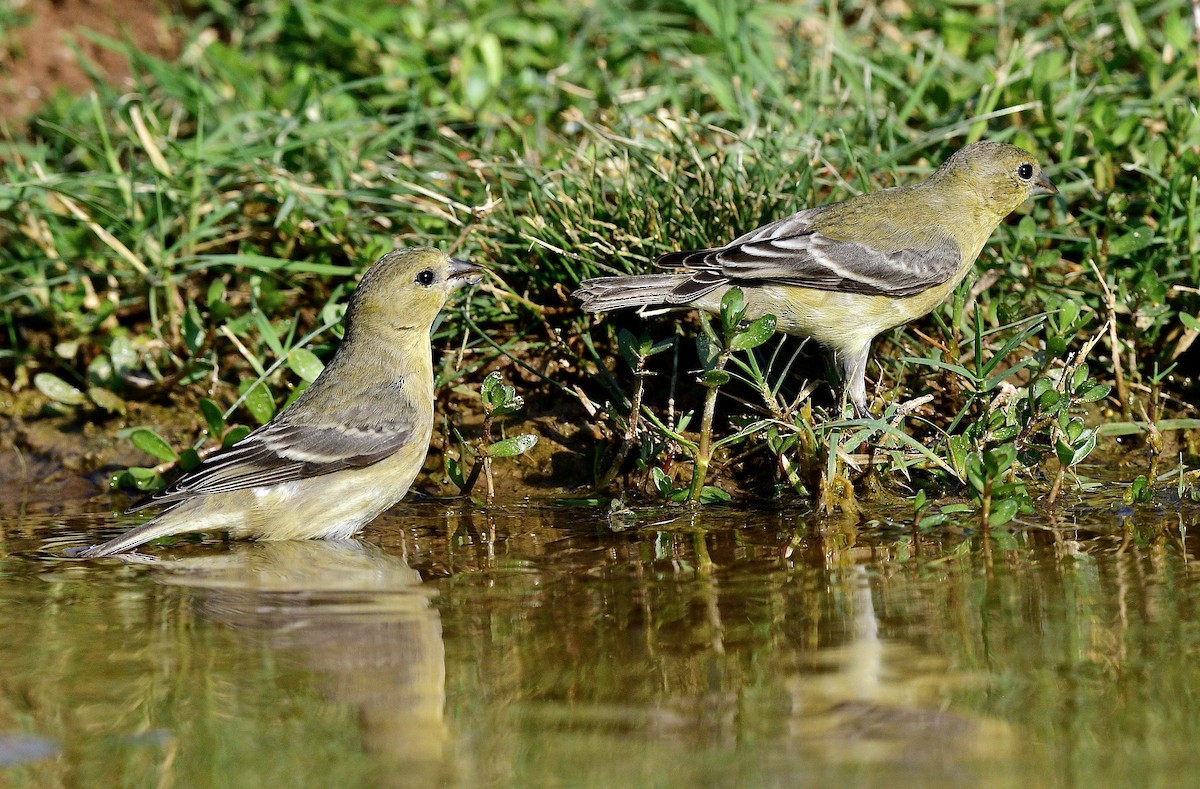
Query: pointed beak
[
  {"x": 1042, "y": 186},
  {"x": 464, "y": 272}
]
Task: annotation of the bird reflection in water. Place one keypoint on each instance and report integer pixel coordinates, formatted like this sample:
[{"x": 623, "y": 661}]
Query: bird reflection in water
[{"x": 356, "y": 616}]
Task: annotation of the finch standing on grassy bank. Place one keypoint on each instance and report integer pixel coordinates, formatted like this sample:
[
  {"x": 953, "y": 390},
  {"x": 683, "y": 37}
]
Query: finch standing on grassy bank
[
  {"x": 350, "y": 446},
  {"x": 843, "y": 273}
]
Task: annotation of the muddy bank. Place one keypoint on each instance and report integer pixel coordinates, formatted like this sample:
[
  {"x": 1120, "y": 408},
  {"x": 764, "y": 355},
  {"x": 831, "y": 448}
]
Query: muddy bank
[{"x": 50, "y": 454}]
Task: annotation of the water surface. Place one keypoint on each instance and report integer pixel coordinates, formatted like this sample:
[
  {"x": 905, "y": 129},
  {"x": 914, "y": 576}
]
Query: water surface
[{"x": 536, "y": 646}]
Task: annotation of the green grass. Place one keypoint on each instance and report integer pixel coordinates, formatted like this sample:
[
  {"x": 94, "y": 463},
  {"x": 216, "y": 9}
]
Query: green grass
[{"x": 234, "y": 192}]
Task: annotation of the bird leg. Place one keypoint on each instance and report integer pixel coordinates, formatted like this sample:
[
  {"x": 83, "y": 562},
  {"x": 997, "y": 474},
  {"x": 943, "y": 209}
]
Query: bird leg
[{"x": 852, "y": 367}]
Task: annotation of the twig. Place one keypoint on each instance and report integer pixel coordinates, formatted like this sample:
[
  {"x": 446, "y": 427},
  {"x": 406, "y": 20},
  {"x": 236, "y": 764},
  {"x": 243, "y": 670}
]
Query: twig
[{"x": 1110, "y": 304}]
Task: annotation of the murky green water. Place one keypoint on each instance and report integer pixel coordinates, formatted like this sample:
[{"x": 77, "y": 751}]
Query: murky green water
[{"x": 534, "y": 647}]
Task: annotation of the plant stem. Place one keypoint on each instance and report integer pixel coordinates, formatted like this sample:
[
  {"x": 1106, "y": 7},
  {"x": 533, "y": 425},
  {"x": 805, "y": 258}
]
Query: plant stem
[{"x": 704, "y": 451}]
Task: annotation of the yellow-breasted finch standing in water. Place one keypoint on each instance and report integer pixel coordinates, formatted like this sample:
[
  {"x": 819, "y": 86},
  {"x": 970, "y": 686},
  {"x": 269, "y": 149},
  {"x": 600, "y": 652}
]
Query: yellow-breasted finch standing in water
[{"x": 349, "y": 446}]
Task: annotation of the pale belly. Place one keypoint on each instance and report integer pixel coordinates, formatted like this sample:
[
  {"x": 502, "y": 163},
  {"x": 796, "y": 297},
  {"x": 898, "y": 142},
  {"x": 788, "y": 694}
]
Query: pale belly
[
  {"x": 844, "y": 322},
  {"x": 331, "y": 506}
]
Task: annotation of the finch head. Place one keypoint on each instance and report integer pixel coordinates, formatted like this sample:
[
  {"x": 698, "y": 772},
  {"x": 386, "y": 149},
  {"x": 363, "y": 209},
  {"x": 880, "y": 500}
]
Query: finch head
[
  {"x": 1003, "y": 176},
  {"x": 405, "y": 289}
]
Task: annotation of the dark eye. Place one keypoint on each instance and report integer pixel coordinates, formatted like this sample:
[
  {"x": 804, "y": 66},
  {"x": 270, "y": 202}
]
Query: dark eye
[
  {"x": 1025, "y": 172},
  {"x": 426, "y": 277}
]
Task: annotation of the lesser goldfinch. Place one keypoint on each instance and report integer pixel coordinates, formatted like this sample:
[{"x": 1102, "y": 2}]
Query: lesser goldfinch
[
  {"x": 843, "y": 273},
  {"x": 349, "y": 446}
]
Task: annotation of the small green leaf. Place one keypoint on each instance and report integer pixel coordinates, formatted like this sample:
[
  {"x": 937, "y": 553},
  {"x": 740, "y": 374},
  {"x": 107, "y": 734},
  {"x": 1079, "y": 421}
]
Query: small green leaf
[
  {"x": 999, "y": 459},
  {"x": 974, "y": 472},
  {"x": 1068, "y": 313},
  {"x": 1133, "y": 241},
  {"x": 1081, "y": 374},
  {"x": 216, "y": 293},
  {"x": 1073, "y": 453},
  {"x": 660, "y": 346},
  {"x": 490, "y": 382},
  {"x": 490, "y": 52},
  {"x": 152, "y": 443},
  {"x": 123, "y": 355},
  {"x": 1026, "y": 229},
  {"x": 498, "y": 397},
  {"x": 145, "y": 478},
  {"x": 1064, "y": 452},
  {"x": 627, "y": 346},
  {"x": 1006, "y": 433},
  {"x": 754, "y": 335},
  {"x": 258, "y": 400},
  {"x": 193, "y": 329},
  {"x": 733, "y": 307},
  {"x": 234, "y": 435},
  {"x": 1003, "y": 511},
  {"x": 1139, "y": 492},
  {"x": 929, "y": 521},
  {"x": 713, "y": 378},
  {"x": 1048, "y": 400},
  {"x": 959, "y": 444},
  {"x": 1094, "y": 393},
  {"x": 265, "y": 330},
  {"x": 708, "y": 350},
  {"x": 1190, "y": 323},
  {"x": 512, "y": 404},
  {"x": 454, "y": 471},
  {"x": 214, "y": 417},
  {"x": 713, "y": 495},
  {"x": 510, "y": 447},
  {"x": 57, "y": 389},
  {"x": 100, "y": 372},
  {"x": 110, "y": 402},
  {"x": 305, "y": 364},
  {"x": 189, "y": 459},
  {"x": 678, "y": 496}
]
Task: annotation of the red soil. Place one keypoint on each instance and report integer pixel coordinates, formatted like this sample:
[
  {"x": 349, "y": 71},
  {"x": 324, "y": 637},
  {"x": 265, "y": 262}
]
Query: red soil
[{"x": 42, "y": 55}]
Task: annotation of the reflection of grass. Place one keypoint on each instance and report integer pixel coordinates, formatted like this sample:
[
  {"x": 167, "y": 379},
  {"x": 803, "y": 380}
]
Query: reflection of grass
[{"x": 192, "y": 231}]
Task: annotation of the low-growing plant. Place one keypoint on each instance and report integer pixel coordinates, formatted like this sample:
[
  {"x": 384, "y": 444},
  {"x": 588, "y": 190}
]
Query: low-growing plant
[
  {"x": 497, "y": 399},
  {"x": 714, "y": 346}
]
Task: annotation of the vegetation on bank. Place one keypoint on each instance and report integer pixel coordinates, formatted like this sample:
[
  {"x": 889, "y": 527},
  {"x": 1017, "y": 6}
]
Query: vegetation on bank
[{"x": 202, "y": 228}]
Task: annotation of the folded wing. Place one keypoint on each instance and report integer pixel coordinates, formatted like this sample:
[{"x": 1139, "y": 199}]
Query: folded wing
[
  {"x": 283, "y": 452},
  {"x": 791, "y": 252}
]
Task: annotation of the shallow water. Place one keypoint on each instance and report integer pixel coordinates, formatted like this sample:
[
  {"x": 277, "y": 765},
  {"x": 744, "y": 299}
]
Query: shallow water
[{"x": 538, "y": 647}]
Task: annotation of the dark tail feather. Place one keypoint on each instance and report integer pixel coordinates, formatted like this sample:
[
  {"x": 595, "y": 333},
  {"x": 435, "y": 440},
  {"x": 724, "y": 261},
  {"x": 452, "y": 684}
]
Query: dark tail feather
[
  {"x": 685, "y": 258},
  {"x": 613, "y": 293},
  {"x": 159, "y": 527}
]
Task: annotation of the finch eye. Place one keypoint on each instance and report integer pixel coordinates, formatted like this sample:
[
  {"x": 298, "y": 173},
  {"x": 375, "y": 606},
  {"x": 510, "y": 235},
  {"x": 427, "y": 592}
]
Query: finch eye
[
  {"x": 426, "y": 277},
  {"x": 1025, "y": 172}
]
